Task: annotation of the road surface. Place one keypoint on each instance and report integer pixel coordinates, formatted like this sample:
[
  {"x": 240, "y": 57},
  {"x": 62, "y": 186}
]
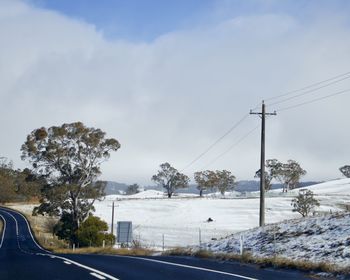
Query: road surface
[{"x": 22, "y": 258}]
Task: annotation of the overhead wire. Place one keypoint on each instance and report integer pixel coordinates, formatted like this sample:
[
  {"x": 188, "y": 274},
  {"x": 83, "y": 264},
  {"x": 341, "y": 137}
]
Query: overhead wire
[
  {"x": 308, "y": 86},
  {"x": 314, "y": 100},
  {"x": 231, "y": 147},
  {"x": 216, "y": 142},
  {"x": 304, "y": 91},
  {"x": 307, "y": 92}
]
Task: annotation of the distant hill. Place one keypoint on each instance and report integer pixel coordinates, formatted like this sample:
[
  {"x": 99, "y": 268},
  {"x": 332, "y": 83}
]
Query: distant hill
[
  {"x": 252, "y": 185},
  {"x": 115, "y": 188},
  {"x": 242, "y": 186}
]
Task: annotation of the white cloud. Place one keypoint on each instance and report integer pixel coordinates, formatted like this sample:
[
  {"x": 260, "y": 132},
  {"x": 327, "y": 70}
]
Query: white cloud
[{"x": 169, "y": 99}]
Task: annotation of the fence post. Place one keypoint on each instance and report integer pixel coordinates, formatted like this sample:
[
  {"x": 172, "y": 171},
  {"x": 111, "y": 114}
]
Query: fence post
[
  {"x": 103, "y": 243},
  {"x": 73, "y": 247},
  {"x": 241, "y": 241},
  {"x": 163, "y": 241},
  {"x": 200, "y": 238}
]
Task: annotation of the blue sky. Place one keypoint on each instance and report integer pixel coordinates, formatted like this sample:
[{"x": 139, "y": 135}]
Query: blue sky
[
  {"x": 145, "y": 20},
  {"x": 135, "y": 20}
]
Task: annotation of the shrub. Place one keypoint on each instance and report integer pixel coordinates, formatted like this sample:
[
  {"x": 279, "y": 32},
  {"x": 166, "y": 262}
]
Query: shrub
[
  {"x": 305, "y": 202},
  {"x": 92, "y": 232}
]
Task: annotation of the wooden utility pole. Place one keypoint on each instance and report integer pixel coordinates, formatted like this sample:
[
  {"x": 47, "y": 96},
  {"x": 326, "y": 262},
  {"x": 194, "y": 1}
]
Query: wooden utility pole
[
  {"x": 112, "y": 223},
  {"x": 262, "y": 114}
]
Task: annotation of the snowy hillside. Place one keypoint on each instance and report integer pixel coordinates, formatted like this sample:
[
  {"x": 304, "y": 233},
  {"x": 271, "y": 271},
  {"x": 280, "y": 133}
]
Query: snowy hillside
[
  {"x": 322, "y": 238},
  {"x": 335, "y": 187},
  {"x": 183, "y": 220},
  {"x": 316, "y": 239}
]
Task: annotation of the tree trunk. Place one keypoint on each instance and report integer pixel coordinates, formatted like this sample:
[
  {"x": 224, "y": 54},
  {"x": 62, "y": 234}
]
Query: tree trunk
[{"x": 201, "y": 193}]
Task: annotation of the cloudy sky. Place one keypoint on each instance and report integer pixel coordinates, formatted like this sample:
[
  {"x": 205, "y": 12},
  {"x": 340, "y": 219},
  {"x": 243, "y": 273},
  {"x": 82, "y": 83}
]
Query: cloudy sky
[{"x": 169, "y": 78}]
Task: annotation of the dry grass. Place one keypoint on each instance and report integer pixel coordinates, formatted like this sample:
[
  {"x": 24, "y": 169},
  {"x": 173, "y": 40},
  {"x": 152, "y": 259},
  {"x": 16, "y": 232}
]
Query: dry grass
[
  {"x": 1, "y": 226},
  {"x": 107, "y": 251},
  {"x": 276, "y": 262},
  {"x": 42, "y": 229}
]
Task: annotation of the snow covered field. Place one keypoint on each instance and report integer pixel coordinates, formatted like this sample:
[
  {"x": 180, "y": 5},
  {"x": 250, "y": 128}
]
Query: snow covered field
[
  {"x": 180, "y": 218},
  {"x": 183, "y": 219}
]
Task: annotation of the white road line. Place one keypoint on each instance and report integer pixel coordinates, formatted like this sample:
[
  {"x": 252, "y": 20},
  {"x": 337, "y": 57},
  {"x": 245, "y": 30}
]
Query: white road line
[
  {"x": 100, "y": 273},
  {"x": 97, "y": 275},
  {"x": 188, "y": 266},
  {"x": 3, "y": 230},
  {"x": 67, "y": 262},
  {"x": 30, "y": 232}
]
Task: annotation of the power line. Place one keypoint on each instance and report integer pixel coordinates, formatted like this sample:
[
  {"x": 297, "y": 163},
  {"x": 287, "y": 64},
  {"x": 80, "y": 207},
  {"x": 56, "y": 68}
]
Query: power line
[
  {"x": 231, "y": 147},
  {"x": 216, "y": 142},
  {"x": 311, "y": 88},
  {"x": 307, "y": 87},
  {"x": 308, "y": 92},
  {"x": 314, "y": 100}
]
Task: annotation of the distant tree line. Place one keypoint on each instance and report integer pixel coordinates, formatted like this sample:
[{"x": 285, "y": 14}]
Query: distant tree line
[
  {"x": 17, "y": 185},
  {"x": 288, "y": 174},
  {"x": 171, "y": 180}
]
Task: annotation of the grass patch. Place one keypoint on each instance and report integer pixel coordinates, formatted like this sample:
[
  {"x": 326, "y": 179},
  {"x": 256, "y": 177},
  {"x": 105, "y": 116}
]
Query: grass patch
[
  {"x": 275, "y": 262},
  {"x": 107, "y": 251},
  {"x": 42, "y": 228}
]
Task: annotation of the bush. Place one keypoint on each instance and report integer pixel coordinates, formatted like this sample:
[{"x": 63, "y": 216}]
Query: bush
[
  {"x": 305, "y": 202},
  {"x": 64, "y": 229},
  {"x": 92, "y": 232}
]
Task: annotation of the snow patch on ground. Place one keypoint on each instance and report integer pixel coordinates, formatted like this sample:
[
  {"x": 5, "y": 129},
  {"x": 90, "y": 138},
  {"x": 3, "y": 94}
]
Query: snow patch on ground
[{"x": 316, "y": 239}]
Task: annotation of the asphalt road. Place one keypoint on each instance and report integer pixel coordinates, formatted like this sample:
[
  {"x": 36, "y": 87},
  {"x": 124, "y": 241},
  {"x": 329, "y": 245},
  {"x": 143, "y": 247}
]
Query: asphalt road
[{"x": 22, "y": 258}]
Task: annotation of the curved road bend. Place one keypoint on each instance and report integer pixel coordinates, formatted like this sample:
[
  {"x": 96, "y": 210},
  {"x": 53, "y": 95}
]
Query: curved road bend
[{"x": 22, "y": 258}]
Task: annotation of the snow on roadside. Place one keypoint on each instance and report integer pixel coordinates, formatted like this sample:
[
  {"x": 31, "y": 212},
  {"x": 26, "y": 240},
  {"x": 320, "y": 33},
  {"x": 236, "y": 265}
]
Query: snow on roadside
[{"x": 317, "y": 239}]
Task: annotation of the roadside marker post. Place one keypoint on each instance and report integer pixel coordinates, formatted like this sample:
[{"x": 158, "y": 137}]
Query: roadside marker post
[{"x": 241, "y": 241}]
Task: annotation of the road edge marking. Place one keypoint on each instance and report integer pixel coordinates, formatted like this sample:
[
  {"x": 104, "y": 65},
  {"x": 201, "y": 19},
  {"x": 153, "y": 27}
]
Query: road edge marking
[
  {"x": 97, "y": 275},
  {"x": 98, "y": 272},
  {"x": 3, "y": 230},
  {"x": 29, "y": 229},
  {"x": 189, "y": 266},
  {"x": 81, "y": 265}
]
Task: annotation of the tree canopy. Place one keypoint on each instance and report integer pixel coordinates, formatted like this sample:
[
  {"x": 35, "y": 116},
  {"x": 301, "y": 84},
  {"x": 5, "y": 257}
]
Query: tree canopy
[
  {"x": 205, "y": 180},
  {"x": 170, "y": 179},
  {"x": 69, "y": 158},
  {"x": 16, "y": 184},
  {"x": 288, "y": 174},
  {"x": 345, "y": 170},
  {"x": 224, "y": 181}
]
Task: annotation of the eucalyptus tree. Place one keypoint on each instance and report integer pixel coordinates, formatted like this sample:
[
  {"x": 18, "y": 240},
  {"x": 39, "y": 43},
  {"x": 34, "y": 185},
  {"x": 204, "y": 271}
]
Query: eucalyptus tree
[
  {"x": 69, "y": 158},
  {"x": 170, "y": 179},
  {"x": 205, "y": 180},
  {"x": 288, "y": 174},
  {"x": 224, "y": 181}
]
